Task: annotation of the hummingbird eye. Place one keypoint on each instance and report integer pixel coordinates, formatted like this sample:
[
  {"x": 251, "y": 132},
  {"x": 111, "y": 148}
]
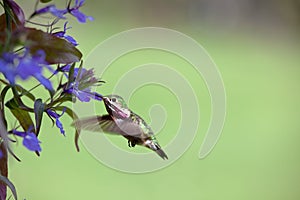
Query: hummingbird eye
[{"x": 113, "y": 100}]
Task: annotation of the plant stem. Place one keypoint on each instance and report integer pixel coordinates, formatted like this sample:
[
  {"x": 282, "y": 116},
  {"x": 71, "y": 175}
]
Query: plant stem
[
  {"x": 3, "y": 158},
  {"x": 3, "y": 169},
  {"x": 34, "y": 87}
]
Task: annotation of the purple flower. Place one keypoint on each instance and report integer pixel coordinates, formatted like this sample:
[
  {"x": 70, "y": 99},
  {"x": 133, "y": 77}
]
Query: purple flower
[
  {"x": 84, "y": 95},
  {"x": 74, "y": 10},
  {"x": 62, "y": 34},
  {"x": 55, "y": 116},
  {"x": 67, "y": 67},
  {"x": 24, "y": 66},
  {"x": 76, "y": 13},
  {"x": 30, "y": 140},
  {"x": 81, "y": 87},
  {"x": 53, "y": 10}
]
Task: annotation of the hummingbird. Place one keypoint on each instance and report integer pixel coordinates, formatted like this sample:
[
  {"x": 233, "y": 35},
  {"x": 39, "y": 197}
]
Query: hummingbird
[{"x": 120, "y": 120}]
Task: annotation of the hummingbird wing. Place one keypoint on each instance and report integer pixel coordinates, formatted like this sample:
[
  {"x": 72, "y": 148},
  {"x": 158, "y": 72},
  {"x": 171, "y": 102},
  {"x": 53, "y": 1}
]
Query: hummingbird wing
[
  {"x": 102, "y": 123},
  {"x": 129, "y": 128}
]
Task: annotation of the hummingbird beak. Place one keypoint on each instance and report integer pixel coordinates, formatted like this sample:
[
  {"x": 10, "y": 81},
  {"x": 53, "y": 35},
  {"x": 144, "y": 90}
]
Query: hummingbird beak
[{"x": 106, "y": 99}]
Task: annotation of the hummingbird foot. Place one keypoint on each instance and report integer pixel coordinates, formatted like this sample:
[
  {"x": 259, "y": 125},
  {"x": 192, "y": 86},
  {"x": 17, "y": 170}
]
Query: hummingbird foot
[{"x": 131, "y": 143}]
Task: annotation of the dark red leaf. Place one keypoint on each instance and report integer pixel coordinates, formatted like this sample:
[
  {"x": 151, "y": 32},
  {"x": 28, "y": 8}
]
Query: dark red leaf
[
  {"x": 58, "y": 51},
  {"x": 17, "y": 11},
  {"x": 16, "y": 15}
]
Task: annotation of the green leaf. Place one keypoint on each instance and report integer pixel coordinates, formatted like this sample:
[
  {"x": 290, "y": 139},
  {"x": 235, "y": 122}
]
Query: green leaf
[
  {"x": 13, "y": 154},
  {"x": 79, "y": 69},
  {"x": 10, "y": 185},
  {"x": 74, "y": 116},
  {"x": 2, "y": 98},
  {"x": 19, "y": 101},
  {"x": 39, "y": 108},
  {"x": 21, "y": 115},
  {"x": 45, "y": 1},
  {"x": 71, "y": 74},
  {"x": 58, "y": 51},
  {"x": 25, "y": 92},
  {"x": 65, "y": 98},
  {"x": 59, "y": 101},
  {"x": 3, "y": 93}
]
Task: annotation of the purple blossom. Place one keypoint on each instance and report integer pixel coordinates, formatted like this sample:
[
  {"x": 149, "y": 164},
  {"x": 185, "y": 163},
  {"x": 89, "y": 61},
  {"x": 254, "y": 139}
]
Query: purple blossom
[
  {"x": 74, "y": 10},
  {"x": 84, "y": 95},
  {"x": 67, "y": 67},
  {"x": 81, "y": 87},
  {"x": 53, "y": 10},
  {"x": 76, "y": 13},
  {"x": 24, "y": 66},
  {"x": 30, "y": 140},
  {"x": 56, "y": 116},
  {"x": 62, "y": 34}
]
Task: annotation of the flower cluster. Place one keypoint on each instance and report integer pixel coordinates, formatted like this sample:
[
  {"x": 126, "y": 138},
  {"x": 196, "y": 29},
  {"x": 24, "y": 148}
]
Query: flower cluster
[
  {"x": 60, "y": 13},
  {"x": 81, "y": 87},
  {"x": 14, "y": 65},
  {"x": 42, "y": 55}
]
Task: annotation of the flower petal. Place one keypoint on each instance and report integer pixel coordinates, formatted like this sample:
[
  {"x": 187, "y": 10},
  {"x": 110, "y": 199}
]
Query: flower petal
[
  {"x": 71, "y": 40},
  {"x": 53, "y": 10},
  {"x": 79, "y": 15},
  {"x": 44, "y": 81},
  {"x": 8, "y": 72},
  {"x": 19, "y": 133},
  {"x": 52, "y": 113},
  {"x": 82, "y": 96},
  {"x": 57, "y": 121},
  {"x": 31, "y": 142},
  {"x": 96, "y": 96},
  {"x": 60, "y": 126}
]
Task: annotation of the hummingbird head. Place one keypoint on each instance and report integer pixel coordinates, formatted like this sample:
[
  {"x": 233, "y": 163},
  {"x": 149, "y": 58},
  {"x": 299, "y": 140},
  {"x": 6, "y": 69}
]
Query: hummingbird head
[{"x": 116, "y": 106}]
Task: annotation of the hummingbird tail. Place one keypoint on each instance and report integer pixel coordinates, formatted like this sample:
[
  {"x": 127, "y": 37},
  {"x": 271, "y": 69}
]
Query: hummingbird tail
[
  {"x": 156, "y": 147},
  {"x": 162, "y": 154}
]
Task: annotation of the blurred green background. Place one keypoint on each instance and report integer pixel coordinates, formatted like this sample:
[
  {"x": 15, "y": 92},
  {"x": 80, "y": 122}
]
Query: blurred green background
[{"x": 255, "y": 45}]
